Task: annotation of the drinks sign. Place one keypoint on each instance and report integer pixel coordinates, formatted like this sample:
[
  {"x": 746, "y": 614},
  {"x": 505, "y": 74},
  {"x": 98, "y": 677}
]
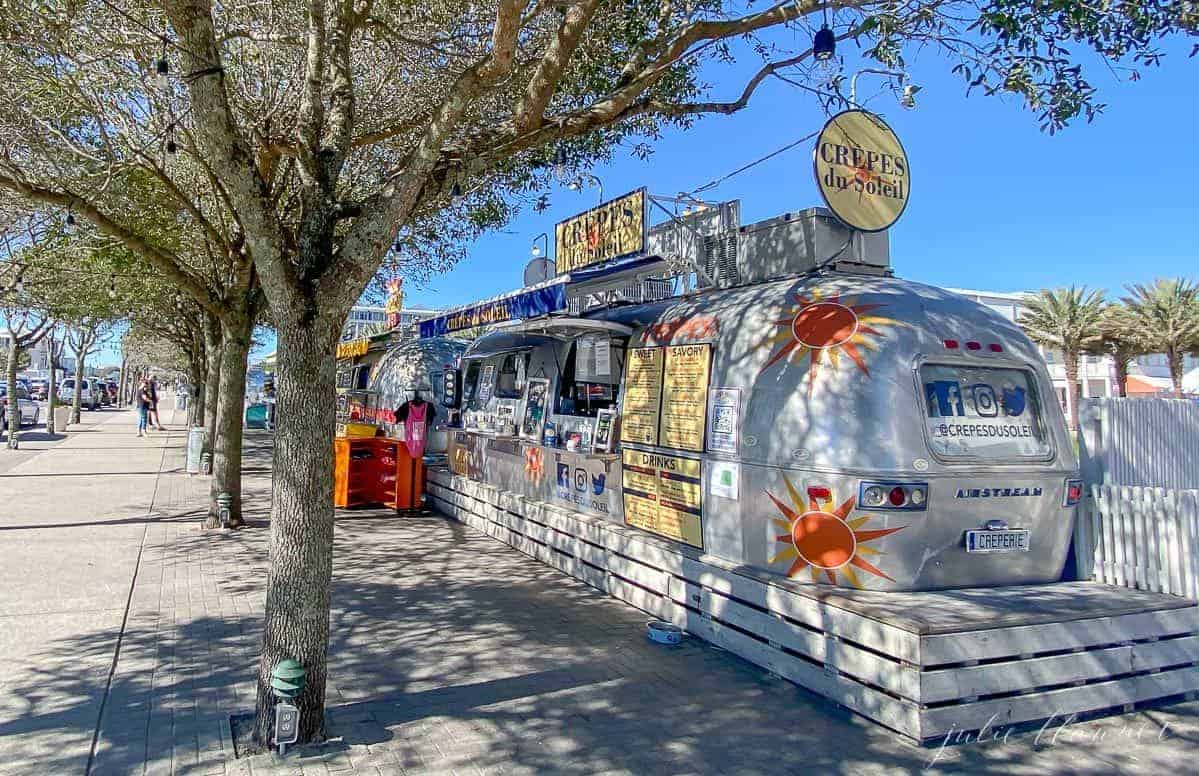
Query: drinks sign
[
  {"x": 862, "y": 171},
  {"x": 613, "y": 230}
]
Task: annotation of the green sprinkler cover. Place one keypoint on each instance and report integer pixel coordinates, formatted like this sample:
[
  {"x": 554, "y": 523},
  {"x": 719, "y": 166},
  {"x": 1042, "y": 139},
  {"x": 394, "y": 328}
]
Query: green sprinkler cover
[{"x": 287, "y": 679}]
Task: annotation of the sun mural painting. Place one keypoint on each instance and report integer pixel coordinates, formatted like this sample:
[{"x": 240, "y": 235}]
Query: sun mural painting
[
  {"x": 830, "y": 326},
  {"x": 824, "y": 540}
]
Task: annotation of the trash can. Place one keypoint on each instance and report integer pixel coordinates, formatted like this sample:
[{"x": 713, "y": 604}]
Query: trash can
[
  {"x": 196, "y": 436},
  {"x": 256, "y": 416}
]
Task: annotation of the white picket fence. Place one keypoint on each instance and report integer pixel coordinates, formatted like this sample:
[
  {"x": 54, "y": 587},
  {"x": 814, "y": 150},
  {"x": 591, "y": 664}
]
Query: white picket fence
[{"x": 1144, "y": 538}]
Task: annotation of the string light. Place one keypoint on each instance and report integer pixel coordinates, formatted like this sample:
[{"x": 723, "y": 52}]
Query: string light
[
  {"x": 171, "y": 147},
  {"x": 560, "y": 163},
  {"x": 71, "y": 223},
  {"x": 112, "y": 287},
  {"x": 455, "y": 192},
  {"x": 824, "y": 48},
  {"x": 162, "y": 68}
]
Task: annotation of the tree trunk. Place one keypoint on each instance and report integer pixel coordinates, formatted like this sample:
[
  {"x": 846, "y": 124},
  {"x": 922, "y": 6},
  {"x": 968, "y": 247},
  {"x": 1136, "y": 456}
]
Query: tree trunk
[
  {"x": 1174, "y": 357},
  {"x": 1122, "y": 377},
  {"x": 14, "y": 406},
  {"x": 301, "y": 549},
  {"x": 226, "y": 447},
  {"x": 195, "y": 374},
  {"x": 51, "y": 386},
  {"x": 212, "y": 384},
  {"x": 77, "y": 402},
  {"x": 121, "y": 382},
  {"x": 1070, "y": 361}
]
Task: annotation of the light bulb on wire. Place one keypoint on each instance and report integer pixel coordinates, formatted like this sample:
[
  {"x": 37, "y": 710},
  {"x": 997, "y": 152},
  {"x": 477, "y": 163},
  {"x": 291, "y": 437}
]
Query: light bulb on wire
[{"x": 162, "y": 68}]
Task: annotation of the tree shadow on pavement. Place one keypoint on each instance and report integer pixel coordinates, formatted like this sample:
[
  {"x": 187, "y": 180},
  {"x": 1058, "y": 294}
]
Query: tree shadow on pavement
[{"x": 451, "y": 651}]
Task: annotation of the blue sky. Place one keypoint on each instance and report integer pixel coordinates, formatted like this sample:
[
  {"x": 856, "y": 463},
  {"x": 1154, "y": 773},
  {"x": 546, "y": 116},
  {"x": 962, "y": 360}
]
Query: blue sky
[{"x": 996, "y": 204}]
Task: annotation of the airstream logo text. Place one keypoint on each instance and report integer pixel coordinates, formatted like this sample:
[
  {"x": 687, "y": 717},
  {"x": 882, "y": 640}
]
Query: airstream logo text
[{"x": 996, "y": 492}]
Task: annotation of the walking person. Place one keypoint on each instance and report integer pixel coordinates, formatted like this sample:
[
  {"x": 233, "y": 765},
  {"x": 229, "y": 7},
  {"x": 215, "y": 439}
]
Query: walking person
[
  {"x": 143, "y": 406},
  {"x": 154, "y": 417}
]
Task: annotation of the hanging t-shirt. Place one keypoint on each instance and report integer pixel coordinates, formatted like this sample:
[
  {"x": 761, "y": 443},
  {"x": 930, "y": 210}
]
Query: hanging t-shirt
[{"x": 416, "y": 417}]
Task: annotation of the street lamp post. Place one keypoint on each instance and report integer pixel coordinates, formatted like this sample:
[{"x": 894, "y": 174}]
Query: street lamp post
[{"x": 586, "y": 177}]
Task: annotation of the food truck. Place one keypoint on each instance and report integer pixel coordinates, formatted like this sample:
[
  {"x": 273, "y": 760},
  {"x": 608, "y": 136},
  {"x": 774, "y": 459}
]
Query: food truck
[
  {"x": 762, "y": 437},
  {"x": 817, "y": 419}
]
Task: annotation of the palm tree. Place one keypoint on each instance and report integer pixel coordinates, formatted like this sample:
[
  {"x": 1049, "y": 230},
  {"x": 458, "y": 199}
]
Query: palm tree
[
  {"x": 1122, "y": 337},
  {"x": 1066, "y": 320},
  {"x": 1168, "y": 313}
]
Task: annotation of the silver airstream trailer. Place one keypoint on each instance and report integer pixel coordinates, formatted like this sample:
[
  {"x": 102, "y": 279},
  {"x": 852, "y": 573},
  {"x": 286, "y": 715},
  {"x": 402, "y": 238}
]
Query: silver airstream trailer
[
  {"x": 410, "y": 369},
  {"x": 803, "y": 413}
]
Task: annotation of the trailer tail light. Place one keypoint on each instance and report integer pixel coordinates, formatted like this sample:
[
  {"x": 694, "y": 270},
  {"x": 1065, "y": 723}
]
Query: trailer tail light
[
  {"x": 911, "y": 496},
  {"x": 974, "y": 345},
  {"x": 951, "y": 344},
  {"x": 995, "y": 347},
  {"x": 1073, "y": 493},
  {"x": 819, "y": 493}
]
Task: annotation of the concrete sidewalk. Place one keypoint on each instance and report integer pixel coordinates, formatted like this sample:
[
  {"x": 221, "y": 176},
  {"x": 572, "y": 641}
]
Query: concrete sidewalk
[
  {"x": 451, "y": 653},
  {"x": 73, "y": 516}
]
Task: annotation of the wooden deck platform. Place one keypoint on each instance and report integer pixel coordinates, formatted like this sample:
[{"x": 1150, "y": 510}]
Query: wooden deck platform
[{"x": 922, "y": 664}]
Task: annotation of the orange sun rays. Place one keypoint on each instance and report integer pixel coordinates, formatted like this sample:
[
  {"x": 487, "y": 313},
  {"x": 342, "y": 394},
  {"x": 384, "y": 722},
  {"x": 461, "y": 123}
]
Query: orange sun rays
[
  {"x": 818, "y": 326},
  {"x": 823, "y": 539}
]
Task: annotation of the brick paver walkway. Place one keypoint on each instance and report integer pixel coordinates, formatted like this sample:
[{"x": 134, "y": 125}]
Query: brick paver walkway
[{"x": 453, "y": 653}]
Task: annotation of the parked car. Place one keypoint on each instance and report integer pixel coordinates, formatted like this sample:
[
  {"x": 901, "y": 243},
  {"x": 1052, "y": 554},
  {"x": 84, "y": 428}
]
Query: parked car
[
  {"x": 111, "y": 385},
  {"x": 88, "y": 398},
  {"x": 26, "y": 407},
  {"x": 38, "y": 390}
]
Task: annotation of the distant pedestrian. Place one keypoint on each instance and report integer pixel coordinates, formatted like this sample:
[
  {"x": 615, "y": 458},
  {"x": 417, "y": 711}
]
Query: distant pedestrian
[
  {"x": 154, "y": 418},
  {"x": 144, "y": 403},
  {"x": 180, "y": 396}
]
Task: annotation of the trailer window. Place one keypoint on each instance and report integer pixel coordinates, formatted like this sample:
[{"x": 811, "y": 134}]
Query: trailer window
[
  {"x": 982, "y": 412},
  {"x": 470, "y": 382},
  {"x": 583, "y": 390},
  {"x": 510, "y": 380}
]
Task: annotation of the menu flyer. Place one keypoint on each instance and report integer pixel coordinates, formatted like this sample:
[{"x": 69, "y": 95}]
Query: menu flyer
[
  {"x": 643, "y": 395},
  {"x": 685, "y": 397},
  {"x": 663, "y": 494}
]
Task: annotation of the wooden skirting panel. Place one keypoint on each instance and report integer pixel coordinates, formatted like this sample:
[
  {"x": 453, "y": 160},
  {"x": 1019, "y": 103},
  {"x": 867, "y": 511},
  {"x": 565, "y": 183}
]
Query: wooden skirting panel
[{"x": 921, "y": 685}]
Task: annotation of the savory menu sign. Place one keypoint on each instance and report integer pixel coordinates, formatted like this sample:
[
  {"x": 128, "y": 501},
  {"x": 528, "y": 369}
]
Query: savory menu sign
[
  {"x": 614, "y": 229},
  {"x": 663, "y": 494},
  {"x": 685, "y": 397},
  {"x": 862, "y": 171},
  {"x": 642, "y": 395}
]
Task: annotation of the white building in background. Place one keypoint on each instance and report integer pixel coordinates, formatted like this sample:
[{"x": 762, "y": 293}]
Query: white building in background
[
  {"x": 364, "y": 321},
  {"x": 1147, "y": 375}
]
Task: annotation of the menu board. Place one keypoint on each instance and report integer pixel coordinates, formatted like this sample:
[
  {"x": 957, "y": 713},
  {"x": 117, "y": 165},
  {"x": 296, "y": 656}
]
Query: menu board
[
  {"x": 685, "y": 397},
  {"x": 663, "y": 494},
  {"x": 642, "y": 395}
]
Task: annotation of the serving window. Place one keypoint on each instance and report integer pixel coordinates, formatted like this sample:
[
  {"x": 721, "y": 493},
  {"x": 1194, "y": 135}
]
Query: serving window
[
  {"x": 510, "y": 379},
  {"x": 590, "y": 379}
]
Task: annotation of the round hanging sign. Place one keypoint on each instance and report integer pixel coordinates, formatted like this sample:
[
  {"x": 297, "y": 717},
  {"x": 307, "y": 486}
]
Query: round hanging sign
[{"x": 862, "y": 171}]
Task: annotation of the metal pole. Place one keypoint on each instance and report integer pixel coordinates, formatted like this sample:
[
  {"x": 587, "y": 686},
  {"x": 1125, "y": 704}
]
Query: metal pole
[{"x": 853, "y": 82}]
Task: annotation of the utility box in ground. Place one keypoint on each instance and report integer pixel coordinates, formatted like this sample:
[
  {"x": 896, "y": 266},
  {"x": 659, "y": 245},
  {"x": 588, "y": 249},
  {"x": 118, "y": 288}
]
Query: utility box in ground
[{"x": 62, "y": 417}]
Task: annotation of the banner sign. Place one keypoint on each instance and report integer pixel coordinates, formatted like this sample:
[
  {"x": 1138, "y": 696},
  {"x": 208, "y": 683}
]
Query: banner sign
[
  {"x": 526, "y": 304},
  {"x": 862, "y": 171},
  {"x": 613, "y": 230},
  {"x": 663, "y": 494},
  {"x": 353, "y": 348}
]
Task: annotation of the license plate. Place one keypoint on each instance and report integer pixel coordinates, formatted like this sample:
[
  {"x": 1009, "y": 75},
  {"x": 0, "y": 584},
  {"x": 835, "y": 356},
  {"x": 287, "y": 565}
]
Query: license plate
[{"x": 1011, "y": 540}]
